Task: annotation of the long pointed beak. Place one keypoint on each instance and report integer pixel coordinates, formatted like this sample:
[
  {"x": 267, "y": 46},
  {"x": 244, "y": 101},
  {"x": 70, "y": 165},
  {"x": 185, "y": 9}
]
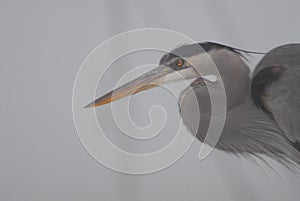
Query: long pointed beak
[{"x": 155, "y": 77}]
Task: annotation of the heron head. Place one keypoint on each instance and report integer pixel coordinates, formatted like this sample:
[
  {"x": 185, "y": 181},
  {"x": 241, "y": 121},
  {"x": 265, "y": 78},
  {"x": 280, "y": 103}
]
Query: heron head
[{"x": 179, "y": 64}]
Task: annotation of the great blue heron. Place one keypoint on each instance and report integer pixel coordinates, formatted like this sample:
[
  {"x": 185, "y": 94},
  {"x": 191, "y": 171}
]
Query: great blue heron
[{"x": 263, "y": 110}]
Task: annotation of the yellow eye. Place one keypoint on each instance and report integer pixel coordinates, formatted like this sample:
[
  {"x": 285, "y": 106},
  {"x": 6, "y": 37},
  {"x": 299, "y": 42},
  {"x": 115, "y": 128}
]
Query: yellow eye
[{"x": 179, "y": 62}]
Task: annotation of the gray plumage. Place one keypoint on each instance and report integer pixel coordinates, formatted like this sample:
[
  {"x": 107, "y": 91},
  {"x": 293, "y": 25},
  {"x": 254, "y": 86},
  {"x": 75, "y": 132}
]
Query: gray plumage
[{"x": 263, "y": 110}]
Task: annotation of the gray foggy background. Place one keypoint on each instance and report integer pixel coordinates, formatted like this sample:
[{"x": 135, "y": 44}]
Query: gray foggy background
[{"x": 42, "y": 45}]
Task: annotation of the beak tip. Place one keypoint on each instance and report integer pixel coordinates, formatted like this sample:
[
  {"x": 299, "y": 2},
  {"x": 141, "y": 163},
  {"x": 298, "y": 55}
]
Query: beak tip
[{"x": 89, "y": 105}]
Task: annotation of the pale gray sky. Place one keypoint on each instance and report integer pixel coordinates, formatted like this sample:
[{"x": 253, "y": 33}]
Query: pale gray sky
[{"x": 43, "y": 44}]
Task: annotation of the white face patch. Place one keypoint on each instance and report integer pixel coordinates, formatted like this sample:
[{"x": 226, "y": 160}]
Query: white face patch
[
  {"x": 184, "y": 74},
  {"x": 210, "y": 78}
]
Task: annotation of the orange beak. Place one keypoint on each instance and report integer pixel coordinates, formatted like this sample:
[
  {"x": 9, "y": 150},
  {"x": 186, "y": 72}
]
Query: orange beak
[
  {"x": 153, "y": 78},
  {"x": 142, "y": 83}
]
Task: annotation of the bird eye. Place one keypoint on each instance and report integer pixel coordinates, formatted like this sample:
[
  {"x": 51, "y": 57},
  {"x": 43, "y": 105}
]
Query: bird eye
[{"x": 179, "y": 62}]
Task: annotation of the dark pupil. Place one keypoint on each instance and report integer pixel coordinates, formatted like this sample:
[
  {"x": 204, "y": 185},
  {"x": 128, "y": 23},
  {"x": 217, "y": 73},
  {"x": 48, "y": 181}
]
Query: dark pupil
[{"x": 179, "y": 62}]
